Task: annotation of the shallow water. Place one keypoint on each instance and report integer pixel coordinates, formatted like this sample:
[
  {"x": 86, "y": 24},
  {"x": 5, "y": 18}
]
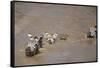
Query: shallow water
[{"x": 71, "y": 20}]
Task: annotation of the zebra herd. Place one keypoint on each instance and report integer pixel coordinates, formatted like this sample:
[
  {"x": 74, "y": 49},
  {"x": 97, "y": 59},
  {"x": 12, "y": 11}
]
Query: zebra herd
[
  {"x": 92, "y": 32},
  {"x": 35, "y": 43}
]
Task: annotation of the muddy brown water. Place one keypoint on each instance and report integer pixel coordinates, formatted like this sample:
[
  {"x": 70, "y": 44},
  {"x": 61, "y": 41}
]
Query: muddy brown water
[{"x": 62, "y": 19}]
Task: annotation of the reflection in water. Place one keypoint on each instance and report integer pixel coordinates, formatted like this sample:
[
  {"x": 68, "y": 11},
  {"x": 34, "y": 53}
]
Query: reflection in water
[{"x": 90, "y": 41}]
